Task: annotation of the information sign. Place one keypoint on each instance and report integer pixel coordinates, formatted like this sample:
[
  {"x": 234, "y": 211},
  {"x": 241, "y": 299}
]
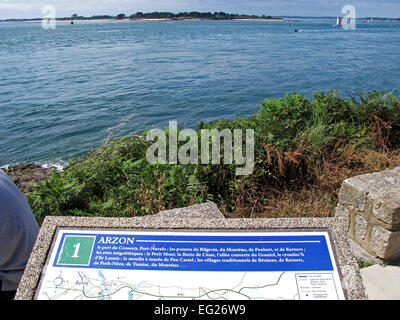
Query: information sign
[{"x": 136, "y": 265}]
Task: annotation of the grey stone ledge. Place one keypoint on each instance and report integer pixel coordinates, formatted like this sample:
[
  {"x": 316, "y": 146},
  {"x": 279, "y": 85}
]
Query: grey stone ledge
[{"x": 381, "y": 189}]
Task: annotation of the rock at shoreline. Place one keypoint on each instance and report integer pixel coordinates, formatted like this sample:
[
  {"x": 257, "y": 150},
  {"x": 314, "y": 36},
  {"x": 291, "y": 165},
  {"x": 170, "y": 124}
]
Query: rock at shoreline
[{"x": 26, "y": 175}]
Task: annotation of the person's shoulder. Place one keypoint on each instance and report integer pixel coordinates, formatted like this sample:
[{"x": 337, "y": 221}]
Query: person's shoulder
[
  {"x": 5, "y": 180},
  {"x": 8, "y": 189},
  {"x": 3, "y": 175},
  {"x": 13, "y": 203}
]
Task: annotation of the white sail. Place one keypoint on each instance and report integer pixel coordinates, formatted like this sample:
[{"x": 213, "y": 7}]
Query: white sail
[{"x": 338, "y": 21}]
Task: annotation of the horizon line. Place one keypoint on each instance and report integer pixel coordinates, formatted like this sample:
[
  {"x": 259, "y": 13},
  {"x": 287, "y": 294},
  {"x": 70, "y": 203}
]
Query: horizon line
[{"x": 260, "y": 16}]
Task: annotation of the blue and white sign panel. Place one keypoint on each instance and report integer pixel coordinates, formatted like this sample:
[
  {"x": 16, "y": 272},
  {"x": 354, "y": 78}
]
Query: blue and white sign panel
[{"x": 93, "y": 264}]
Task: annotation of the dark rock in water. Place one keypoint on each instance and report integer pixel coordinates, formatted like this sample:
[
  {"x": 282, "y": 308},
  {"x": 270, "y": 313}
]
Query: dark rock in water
[{"x": 25, "y": 176}]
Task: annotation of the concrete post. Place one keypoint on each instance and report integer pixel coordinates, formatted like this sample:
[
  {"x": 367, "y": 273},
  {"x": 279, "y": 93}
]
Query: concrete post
[{"x": 370, "y": 205}]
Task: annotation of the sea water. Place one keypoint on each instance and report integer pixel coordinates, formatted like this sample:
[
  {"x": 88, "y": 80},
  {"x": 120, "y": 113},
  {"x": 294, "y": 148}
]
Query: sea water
[{"x": 66, "y": 91}]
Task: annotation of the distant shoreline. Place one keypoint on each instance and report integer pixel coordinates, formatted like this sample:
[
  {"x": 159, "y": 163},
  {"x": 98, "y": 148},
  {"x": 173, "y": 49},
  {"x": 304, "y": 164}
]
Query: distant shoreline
[
  {"x": 140, "y": 19},
  {"x": 192, "y": 16},
  {"x": 158, "y": 16}
]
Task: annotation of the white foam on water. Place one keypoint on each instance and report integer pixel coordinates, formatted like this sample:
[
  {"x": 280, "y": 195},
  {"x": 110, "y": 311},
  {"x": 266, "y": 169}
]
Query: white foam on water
[{"x": 59, "y": 165}]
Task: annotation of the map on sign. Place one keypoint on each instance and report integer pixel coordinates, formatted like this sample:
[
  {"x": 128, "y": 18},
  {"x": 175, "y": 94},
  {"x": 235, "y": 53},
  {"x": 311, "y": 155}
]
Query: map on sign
[{"x": 139, "y": 265}]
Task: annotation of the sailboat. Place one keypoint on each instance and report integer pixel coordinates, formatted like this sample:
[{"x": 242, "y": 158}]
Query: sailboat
[{"x": 338, "y": 22}]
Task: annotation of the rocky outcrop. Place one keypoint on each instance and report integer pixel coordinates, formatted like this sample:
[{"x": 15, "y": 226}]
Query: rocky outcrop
[{"x": 26, "y": 176}]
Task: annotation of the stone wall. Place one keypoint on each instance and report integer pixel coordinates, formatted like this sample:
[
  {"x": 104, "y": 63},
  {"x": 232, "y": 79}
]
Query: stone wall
[{"x": 370, "y": 204}]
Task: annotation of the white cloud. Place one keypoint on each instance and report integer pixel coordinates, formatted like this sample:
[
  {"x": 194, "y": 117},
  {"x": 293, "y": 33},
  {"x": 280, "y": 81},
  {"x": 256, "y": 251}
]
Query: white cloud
[{"x": 15, "y": 6}]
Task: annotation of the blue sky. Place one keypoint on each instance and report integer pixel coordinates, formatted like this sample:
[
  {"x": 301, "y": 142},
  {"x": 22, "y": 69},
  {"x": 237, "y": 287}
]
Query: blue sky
[{"x": 32, "y": 8}]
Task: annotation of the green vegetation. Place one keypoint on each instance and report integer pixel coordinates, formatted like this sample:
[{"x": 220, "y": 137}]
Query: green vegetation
[
  {"x": 363, "y": 264},
  {"x": 163, "y": 15},
  {"x": 196, "y": 15},
  {"x": 175, "y": 16},
  {"x": 120, "y": 16},
  {"x": 304, "y": 149}
]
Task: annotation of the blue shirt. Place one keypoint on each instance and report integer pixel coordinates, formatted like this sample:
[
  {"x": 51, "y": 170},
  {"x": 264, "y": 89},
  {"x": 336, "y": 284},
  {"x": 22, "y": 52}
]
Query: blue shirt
[{"x": 18, "y": 233}]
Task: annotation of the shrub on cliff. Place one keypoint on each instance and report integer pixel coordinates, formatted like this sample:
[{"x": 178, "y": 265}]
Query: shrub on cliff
[{"x": 116, "y": 181}]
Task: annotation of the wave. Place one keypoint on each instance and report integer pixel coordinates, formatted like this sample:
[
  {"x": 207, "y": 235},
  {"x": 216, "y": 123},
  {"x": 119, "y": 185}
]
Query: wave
[{"x": 58, "y": 165}]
